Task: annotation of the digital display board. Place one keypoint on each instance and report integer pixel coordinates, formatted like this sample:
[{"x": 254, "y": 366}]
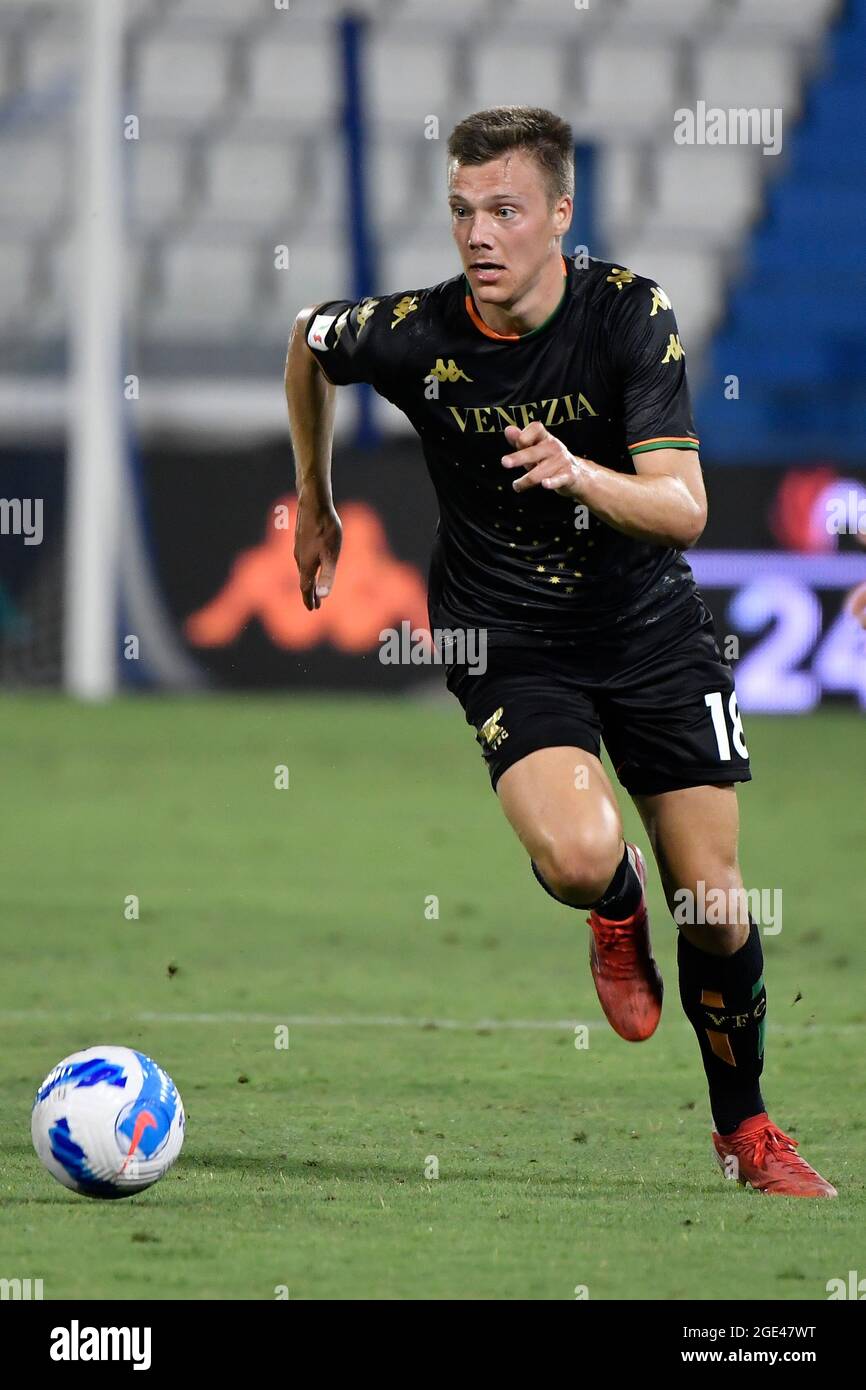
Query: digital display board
[{"x": 781, "y": 551}]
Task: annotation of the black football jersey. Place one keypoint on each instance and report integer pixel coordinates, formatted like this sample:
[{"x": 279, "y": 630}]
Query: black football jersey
[{"x": 604, "y": 373}]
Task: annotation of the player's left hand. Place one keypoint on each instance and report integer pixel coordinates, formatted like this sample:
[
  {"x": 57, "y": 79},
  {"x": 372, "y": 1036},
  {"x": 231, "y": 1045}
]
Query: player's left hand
[{"x": 546, "y": 460}]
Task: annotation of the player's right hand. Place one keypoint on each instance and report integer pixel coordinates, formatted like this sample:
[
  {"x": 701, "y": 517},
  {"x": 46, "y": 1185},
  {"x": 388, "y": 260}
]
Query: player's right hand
[{"x": 318, "y": 537}]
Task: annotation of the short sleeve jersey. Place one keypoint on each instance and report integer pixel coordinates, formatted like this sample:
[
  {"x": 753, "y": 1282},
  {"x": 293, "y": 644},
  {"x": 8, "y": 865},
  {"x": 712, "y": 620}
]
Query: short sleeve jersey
[{"x": 605, "y": 373}]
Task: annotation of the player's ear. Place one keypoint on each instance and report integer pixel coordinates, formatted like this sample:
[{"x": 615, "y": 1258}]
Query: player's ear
[{"x": 563, "y": 210}]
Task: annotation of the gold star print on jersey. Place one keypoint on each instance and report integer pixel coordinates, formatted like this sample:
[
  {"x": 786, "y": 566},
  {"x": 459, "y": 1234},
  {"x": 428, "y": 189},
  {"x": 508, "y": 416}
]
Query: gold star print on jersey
[
  {"x": 365, "y": 312},
  {"x": 604, "y": 373},
  {"x": 407, "y": 305},
  {"x": 620, "y": 278}
]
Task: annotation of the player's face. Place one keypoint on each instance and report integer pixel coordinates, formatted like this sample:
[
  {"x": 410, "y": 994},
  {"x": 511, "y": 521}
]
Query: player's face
[{"x": 504, "y": 224}]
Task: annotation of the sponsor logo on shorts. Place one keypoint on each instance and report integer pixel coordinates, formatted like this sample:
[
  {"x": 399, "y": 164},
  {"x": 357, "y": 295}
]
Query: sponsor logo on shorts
[{"x": 491, "y": 732}]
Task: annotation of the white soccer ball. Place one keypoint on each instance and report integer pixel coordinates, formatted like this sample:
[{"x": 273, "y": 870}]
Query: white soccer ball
[{"x": 107, "y": 1122}]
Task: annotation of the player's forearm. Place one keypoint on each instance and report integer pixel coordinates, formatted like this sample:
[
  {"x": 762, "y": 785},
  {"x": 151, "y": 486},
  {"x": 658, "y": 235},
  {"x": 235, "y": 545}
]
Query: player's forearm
[
  {"x": 311, "y": 401},
  {"x": 661, "y": 508}
]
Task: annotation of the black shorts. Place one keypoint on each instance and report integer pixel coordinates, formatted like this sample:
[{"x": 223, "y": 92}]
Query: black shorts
[{"x": 661, "y": 696}]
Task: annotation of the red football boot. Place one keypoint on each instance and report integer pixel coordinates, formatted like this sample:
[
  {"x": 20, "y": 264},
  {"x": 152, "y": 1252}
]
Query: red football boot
[
  {"x": 627, "y": 979},
  {"x": 761, "y": 1156}
]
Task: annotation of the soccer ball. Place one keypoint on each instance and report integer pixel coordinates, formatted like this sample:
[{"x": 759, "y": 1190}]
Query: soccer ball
[{"x": 107, "y": 1122}]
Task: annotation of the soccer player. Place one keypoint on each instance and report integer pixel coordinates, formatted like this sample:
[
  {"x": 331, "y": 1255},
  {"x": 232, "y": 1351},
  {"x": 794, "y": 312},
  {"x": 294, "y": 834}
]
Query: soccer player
[{"x": 551, "y": 401}]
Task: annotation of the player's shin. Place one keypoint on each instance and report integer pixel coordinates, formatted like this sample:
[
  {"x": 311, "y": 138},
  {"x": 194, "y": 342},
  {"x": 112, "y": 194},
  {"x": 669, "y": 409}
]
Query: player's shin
[{"x": 725, "y": 1001}]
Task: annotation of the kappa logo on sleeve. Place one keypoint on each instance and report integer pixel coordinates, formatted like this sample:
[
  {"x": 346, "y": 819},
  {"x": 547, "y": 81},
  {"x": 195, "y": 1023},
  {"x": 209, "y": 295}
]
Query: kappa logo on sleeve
[
  {"x": 318, "y": 333},
  {"x": 659, "y": 301},
  {"x": 675, "y": 350}
]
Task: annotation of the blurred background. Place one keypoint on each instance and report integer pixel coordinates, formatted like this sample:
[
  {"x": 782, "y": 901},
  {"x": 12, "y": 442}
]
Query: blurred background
[
  {"x": 261, "y": 832},
  {"x": 179, "y": 177}
]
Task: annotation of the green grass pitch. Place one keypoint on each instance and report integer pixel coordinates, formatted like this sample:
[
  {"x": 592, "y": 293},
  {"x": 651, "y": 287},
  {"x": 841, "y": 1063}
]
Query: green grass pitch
[{"x": 307, "y": 1168}]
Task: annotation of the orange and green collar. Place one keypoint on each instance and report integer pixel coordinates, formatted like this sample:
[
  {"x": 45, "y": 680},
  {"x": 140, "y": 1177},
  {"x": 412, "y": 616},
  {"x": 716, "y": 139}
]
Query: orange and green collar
[{"x": 512, "y": 337}]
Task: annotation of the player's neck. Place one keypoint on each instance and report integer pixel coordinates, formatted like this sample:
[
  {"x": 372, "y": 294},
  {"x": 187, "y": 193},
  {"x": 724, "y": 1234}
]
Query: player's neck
[{"x": 533, "y": 308}]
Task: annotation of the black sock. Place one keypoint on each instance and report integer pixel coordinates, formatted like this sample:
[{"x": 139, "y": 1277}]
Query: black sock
[
  {"x": 725, "y": 1001},
  {"x": 618, "y": 901},
  {"x": 622, "y": 895}
]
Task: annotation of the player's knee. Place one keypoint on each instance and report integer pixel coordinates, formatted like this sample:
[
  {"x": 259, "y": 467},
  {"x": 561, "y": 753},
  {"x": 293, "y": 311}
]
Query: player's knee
[
  {"x": 713, "y": 912},
  {"x": 580, "y": 868}
]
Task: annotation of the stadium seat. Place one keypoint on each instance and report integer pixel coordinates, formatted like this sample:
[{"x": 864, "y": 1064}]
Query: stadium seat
[
  {"x": 51, "y": 59},
  {"x": 254, "y": 182},
  {"x": 774, "y": 248},
  {"x": 707, "y": 192},
  {"x": 320, "y": 268},
  {"x": 406, "y": 177},
  {"x": 401, "y": 90},
  {"x": 206, "y": 289},
  {"x": 16, "y": 264},
  {"x": 17, "y": 15},
  {"x": 136, "y": 10},
  {"x": 838, "y": 113},
  {"x": 297, "y": 81},
  {"x": 792, "y": 19},
  {"x": 671, "y": 19},
  {"x": 811, "y": 157},
  {"x": 306, "y": 13},
  {"x": 54, "y": 302},
  {"x": 756, "y": 306},
  {"x": 417, "y": 263},
  {"x": 561, "y": 17},
  {"x": 505, "y": 71},
  {"x": 794, "y": 334},
  {"x": 322, "y": 196},
  {"x": 444, "y": 15},
  {"x": 730, "y": 75},
  {"x": 227, "y": 15},
  {"x": 618, "y": 188},
  {"x": 34, "y": 177},
  {"x": 7, "y": 75},
  {"x": 627, "y": 87},
  {"x": 182, "y": 79},
  {"x": 157, "y": 173}
]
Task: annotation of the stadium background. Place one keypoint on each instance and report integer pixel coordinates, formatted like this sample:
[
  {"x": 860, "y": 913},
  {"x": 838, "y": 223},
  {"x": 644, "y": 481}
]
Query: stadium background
[
  {"x": 266, "y": 156},
  {"x": 271, "y": 157}
]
